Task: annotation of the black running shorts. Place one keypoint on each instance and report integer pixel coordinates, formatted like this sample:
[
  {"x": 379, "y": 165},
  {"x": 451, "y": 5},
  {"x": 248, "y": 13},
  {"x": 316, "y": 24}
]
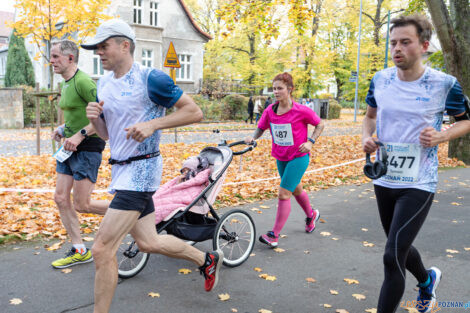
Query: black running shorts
[{"x": 133, "y": 201}]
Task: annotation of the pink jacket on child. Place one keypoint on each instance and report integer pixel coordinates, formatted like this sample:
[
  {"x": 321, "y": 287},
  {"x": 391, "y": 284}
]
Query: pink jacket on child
[{"x": 174, "y": 195}]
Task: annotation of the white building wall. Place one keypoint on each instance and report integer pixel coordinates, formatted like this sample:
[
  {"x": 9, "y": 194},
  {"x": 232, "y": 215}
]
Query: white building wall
[{"x": 173, "y": 26}]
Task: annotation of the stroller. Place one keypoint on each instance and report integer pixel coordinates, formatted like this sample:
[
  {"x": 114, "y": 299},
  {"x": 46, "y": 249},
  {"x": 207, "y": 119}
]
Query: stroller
[{"x": 234, "y": 233}]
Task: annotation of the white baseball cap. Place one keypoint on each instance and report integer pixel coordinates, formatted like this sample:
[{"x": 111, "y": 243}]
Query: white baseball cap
[{"x": 109, "y": 29}]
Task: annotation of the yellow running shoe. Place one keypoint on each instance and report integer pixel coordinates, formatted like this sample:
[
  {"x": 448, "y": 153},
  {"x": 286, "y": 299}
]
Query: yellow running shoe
[{"x": 72, "y": 258}]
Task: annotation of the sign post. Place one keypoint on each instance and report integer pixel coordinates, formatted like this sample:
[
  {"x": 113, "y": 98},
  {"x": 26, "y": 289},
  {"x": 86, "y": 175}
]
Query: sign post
[{"x": 172, "y": 61}]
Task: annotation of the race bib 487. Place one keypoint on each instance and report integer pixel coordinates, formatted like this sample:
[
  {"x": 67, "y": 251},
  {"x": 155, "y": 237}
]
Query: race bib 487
[
  {"x": 403, "y": 162},
  {"x": 282, "y": 134}
]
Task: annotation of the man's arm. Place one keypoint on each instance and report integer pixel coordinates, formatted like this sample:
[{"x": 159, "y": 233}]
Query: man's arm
[
  {"x": 187, "y": 112},
  {"x": 368, "y": 129},
  {"x": 429, "y": 137},
  {"x": 93, "y": 113}
]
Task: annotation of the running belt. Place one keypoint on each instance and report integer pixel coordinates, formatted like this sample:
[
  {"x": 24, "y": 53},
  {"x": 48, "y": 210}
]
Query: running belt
[{"x": 132, "y": 159}]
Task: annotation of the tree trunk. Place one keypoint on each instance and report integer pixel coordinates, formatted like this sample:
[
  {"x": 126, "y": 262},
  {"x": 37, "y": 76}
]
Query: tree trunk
[
  {"x": 252, "y": 56},
  {"x": 453, "y": 34}
]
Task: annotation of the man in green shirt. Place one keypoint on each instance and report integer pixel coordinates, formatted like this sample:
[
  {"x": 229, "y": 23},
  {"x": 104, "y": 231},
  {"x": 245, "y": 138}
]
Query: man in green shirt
[{"x": 79, "y": 170}]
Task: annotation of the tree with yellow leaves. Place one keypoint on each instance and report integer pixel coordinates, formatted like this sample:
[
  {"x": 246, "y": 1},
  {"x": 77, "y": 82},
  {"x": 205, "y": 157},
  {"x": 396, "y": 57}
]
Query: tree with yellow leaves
[{"x": 42, "y": 21}]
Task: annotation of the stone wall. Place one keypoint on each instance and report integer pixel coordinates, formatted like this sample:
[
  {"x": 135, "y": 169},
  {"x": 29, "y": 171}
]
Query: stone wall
[{"x": 11, "y": 108}]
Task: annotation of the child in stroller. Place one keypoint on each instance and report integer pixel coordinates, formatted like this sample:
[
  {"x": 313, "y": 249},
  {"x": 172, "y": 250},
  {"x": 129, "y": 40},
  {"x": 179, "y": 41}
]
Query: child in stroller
[{"x": 234, "y": 233}]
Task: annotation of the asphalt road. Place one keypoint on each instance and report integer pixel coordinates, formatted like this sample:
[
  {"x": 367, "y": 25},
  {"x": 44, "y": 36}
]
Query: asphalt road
[{"x": 346, "y": 210}]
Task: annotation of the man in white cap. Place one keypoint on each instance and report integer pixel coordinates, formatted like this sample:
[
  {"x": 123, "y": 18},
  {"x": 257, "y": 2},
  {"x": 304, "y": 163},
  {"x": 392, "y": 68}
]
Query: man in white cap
[{"x": 130, "y": 112}]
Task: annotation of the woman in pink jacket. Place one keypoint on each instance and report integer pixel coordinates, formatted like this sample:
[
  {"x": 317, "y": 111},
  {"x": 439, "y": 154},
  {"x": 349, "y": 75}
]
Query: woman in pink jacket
[{"x": 288, "y": 123}]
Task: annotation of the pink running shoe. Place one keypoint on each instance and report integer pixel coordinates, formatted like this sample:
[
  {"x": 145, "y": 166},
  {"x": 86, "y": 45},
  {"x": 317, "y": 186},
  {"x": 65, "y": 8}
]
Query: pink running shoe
[
  {"x": 270, "y": 239},
  {"x": 310, "y": 221}
]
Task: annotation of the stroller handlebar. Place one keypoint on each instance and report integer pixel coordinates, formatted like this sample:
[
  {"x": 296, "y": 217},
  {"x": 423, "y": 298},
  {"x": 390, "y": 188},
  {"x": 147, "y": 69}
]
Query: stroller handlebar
[{"x": 250, "y": 147}]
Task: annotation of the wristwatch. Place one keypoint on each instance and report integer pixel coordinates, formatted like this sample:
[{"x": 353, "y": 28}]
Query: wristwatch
[
  {"x": 311, "y": 140},
  {"x": 84, "y": 133}
]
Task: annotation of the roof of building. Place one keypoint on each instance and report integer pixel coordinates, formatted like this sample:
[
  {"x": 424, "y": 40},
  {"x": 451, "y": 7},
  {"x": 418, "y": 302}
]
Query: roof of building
[
  {"x": 193, "y": 22},
  {"x": 5, "y": 31}
]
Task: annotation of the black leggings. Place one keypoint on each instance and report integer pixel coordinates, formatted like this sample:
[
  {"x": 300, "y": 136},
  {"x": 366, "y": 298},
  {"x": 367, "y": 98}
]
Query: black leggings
[{"x": 402, "y": 212}]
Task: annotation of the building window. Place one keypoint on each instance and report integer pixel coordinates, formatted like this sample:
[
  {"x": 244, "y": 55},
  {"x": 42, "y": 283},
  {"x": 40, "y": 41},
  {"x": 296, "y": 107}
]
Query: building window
[
  {"x": 97, "y": 65},
  {"x": 184, "y": 72},
  {"x": 153, "y": 13},
  {"x": 147, "y": 58},
  {"x": 137, "y": 11}
]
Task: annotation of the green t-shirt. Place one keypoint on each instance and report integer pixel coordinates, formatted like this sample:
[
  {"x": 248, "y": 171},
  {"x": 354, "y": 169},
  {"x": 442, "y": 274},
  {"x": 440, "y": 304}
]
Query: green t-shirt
[{"x": 74, "y": 97}]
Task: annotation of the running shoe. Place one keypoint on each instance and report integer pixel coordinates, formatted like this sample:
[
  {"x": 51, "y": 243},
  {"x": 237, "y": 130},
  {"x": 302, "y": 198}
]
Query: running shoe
[
  {"x": 427, "y": 296},
  {"x": 310, "y": 221},
  {"x": 72, "y": 258},
  {"x": 211, "y": 267},
  {"x": 270, "y": 239}
]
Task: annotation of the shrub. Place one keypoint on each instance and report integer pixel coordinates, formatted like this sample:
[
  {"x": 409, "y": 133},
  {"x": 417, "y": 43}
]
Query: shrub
[
  {"x": 325, "y": 96},
  {"x": 29, "y": 108},
  {"x": 334, "y": 110},
  {"x": 234, "y": 107}
]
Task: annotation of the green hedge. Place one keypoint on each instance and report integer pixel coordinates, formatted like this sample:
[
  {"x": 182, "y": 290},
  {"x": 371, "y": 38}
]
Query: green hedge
[
  {"x": 334, "y": 109},
  {"x": 29, "y": 108}
]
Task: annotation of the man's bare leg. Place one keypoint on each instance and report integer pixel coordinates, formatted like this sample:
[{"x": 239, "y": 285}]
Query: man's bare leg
[
  {"x": 148, "y": 240},
  {"x": 82, "y": 202},
  {"x": 67, "y": 213},
  {"x": 114, "y": 226}
]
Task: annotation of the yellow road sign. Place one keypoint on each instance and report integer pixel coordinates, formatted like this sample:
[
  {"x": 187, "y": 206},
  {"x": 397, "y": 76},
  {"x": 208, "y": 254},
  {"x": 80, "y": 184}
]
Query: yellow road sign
[{"x": 171, "y": 59}]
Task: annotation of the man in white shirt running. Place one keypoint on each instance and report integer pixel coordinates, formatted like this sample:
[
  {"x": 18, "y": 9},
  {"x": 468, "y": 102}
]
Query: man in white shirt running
[
  {"x": 130, "y": 112},
  {"x": 406, "y": 105}
]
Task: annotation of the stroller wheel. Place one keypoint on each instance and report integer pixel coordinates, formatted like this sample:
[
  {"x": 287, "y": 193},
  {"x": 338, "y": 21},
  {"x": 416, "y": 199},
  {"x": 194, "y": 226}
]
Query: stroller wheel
[
  {"x": 235, "y": 235},
  {"x": 130, "y": 260}
]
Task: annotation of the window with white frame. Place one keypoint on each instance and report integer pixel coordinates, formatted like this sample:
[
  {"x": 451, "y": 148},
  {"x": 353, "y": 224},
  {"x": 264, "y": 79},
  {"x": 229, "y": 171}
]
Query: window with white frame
[
  {"x": 153, "y": 13},
  {"x": 147, "y": 57},
  {"x": 97, "y": 65},
  {"x": 184, "y": 72},
  {"x": 137, "y": 11}
]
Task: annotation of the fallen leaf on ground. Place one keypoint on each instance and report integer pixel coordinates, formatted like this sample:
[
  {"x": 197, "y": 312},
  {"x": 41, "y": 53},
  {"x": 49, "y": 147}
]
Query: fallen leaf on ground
[
  {"x": 255, "y": 209},
  {"x": 368, "y": 244},
  {"x": 279, "y": 250},
  {"x": 55, "y": 246},
  {"x": 449, "y": 256},
  {"x": 452, "y": 251},
  {"x": 322, "y": 220},
  {"x": 184, "y": 271},
  {"x": 358, "y": 296},
  {"x": 436, "y": 201},
  {"x": 411, "y": 310},
  {"x": 67, "y": 270},
  {"x": 268, "y": 277},
  {"x": 224, "y": 296},
  {"x": 364, "y": 229},
  {"x": 327, "y": 305},
  {"x": 154, "y": 294},
  {"x": 283, "y": 236},
  {"x": 334, "y": 238},
  {"x": 334, "y": 292},
  {"x": 15, "y": 301},
  {"x": 310, "y": 279},
  {"x": 306, "y": 252},
  {"x": 234, "y": 310},
  {"x": 88, "y": 238},
  {"x": 373, "y": 310},
  {"x": 36, "y": 253},
  {"x": 341, "y": 311},
  {"x": 466, "y": 249},
  {"x": 351, "y": 281},
  {"x": 325, "y": 233},
  {"x": 456, "y": 203},
  {"x": 264, "y": 206},
  {"x": 257, "y": 269},
  {"x": 264, "y": 311}
]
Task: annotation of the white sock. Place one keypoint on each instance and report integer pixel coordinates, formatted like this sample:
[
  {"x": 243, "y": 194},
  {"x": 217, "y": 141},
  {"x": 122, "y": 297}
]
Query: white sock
[{"x": 80, "y": 248}]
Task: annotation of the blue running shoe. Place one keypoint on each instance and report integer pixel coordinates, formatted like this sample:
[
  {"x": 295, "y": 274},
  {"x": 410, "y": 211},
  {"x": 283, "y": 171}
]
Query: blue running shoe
[{"x": 427, "y": 296}]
